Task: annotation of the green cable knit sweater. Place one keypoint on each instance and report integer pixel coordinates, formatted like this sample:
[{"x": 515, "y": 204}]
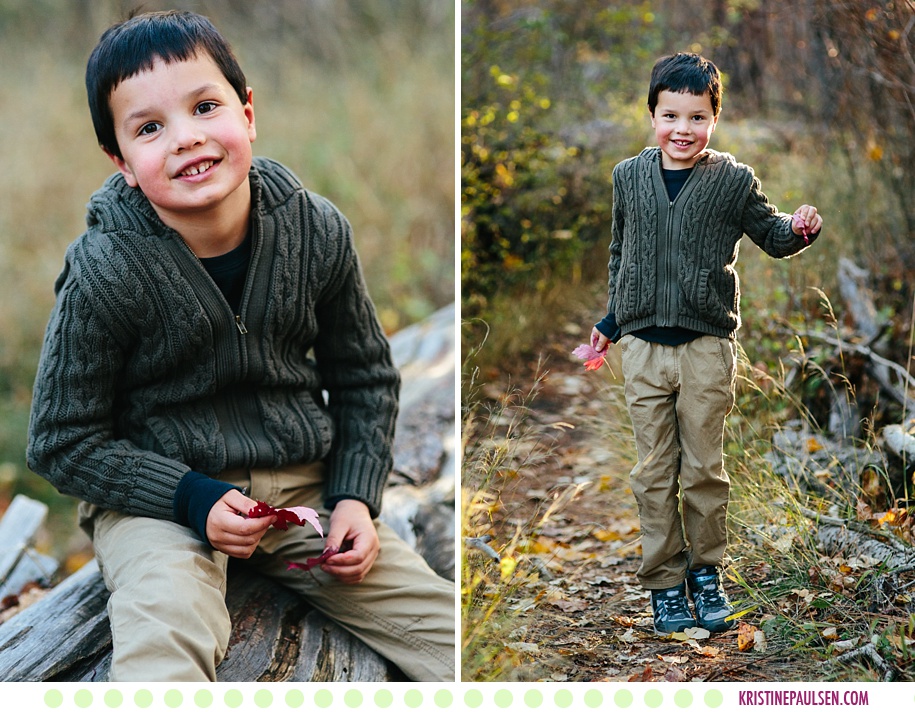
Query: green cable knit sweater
[
  {"x": 672, "y": 263},
  {"x": 147, "y": 374}
]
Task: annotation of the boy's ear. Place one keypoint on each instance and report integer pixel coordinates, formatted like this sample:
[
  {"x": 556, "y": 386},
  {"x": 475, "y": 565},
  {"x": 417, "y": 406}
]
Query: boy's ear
[
  {"x": 249, "y": 114},
  {"x": 122, "y": 166}
]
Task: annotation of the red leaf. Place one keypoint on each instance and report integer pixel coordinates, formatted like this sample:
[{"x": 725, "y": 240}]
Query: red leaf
[
  {"x": 592, "y": 357},
  {"x": 645, "y": 676},
  {"x": 311, "y": 563},
  {"x": 289, "y": 515},
  {"x": 317, "y": 561}
]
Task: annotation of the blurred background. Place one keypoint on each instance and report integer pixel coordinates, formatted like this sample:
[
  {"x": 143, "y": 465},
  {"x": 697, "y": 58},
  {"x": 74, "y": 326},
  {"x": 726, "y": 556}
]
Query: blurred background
[{"x": 358, "y": 98}]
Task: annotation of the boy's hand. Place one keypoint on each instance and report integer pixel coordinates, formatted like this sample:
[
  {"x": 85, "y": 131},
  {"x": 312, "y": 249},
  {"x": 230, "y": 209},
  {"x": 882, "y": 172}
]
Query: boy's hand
[
  {"x": 232, "y": 534},
  {"x": 807, "y": 220},
  {"x": 598, "y": 340},
  {"x": 351, "y": 521}
]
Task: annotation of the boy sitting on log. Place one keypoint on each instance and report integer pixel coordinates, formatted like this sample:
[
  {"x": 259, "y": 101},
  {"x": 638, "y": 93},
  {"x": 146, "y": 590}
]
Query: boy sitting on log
[{"x": 199, "y": 320}]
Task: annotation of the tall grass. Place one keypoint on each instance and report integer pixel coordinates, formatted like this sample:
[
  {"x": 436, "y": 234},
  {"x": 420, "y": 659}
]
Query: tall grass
[
  {"x": 357, "y": 98},
  {"x": 811, "y": 607}
]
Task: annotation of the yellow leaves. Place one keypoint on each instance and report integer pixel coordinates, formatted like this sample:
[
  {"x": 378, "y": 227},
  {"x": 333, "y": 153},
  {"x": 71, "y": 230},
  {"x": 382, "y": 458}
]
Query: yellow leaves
[
  {"x": 507, "y": 566},
  {"x": 895, "y": 519},
  {"x": 605, "y": 535},
  {"x": 746, "y": 636},
  {"x": 691, "y": 634},
  {"x": 504, "y": 176},
  {"x": 541, "y": 545},
  {"x": 618, "y": 530},
  {"x": 889, "y": 518}
]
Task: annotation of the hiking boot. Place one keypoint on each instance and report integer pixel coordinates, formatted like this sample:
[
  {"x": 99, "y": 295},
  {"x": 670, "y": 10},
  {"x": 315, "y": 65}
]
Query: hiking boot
[
  {"x": 712, "y": 606},
  {"x": 671, "y": 610}
]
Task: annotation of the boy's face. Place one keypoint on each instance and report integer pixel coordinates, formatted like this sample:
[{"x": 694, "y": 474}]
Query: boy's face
[
  {"x": 683, "y": 125},
  {"x": 184, "y": 136}
]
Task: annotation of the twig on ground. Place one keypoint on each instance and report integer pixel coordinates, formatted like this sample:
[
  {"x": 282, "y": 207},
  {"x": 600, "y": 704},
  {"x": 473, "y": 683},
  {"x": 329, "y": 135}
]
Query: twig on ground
[
  {"x": 850, "y": 524},
  {"x": 480, "y": 543},
  {"x": 868, "y": 651}
]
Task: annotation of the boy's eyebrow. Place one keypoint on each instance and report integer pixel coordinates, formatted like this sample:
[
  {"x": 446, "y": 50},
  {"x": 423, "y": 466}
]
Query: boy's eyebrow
[{"x": 140, "y": 114}]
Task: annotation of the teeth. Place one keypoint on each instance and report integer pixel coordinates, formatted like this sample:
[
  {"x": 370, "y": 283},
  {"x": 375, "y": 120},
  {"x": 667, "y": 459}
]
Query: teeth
[{"x": 199, "y": 168}]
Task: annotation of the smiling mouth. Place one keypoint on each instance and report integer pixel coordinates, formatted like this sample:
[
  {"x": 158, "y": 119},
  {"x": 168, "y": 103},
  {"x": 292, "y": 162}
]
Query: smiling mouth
[
  {"x": 682, "y": 144},
  {"x": 197, "y": 168}
]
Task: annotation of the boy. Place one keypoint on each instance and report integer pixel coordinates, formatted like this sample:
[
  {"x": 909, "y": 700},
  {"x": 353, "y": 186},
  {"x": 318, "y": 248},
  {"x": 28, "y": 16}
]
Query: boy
[
  {"x": 198, "y": 319},
  {"x": 679, "y": 211}
]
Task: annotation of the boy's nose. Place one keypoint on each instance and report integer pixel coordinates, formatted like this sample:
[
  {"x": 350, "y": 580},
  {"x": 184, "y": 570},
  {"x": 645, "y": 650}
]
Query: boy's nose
[{"x": 187, "y": 134}]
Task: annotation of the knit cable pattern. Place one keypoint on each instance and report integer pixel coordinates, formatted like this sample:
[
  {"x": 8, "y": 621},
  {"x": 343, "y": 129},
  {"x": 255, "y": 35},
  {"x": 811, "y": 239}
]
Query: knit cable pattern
[{"x": 145, "y": 376}]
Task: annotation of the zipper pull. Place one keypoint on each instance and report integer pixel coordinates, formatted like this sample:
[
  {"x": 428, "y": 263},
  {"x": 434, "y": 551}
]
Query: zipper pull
[{"x": 241, "y": 325}]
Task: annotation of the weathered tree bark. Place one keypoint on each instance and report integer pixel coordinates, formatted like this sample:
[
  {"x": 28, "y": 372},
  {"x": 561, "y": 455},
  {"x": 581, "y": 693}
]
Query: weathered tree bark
[
  {"x": 836, "y": 540},
  {"x": 276, "y": 635},
  {"x": 19, "y": 564}
]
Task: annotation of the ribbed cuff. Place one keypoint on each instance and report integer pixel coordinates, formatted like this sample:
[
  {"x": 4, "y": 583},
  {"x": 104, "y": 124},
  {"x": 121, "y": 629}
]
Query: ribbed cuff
[
  {"x": 356, "y": 477},
  {"x": 194, "y": 498},
  {"x": 609, "y": 328}
]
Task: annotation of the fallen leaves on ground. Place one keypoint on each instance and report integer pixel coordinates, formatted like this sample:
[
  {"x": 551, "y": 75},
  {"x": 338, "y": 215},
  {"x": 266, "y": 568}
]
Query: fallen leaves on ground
[
  {"x": 746, "y": 636},
  {"x": 592, "y": 619}
]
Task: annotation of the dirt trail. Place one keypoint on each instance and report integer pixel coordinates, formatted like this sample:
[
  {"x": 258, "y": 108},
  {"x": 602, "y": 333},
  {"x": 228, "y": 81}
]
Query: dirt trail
[{"x": 592, "y": 620}]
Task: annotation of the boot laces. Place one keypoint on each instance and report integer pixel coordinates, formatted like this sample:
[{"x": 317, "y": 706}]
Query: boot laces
[
  {"x": 709, "y": 591},
  {"x": 674, "y": 605}
]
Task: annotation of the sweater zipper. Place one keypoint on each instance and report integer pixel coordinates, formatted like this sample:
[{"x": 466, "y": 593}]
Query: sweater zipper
[
  {"x": 257, "y": 242},
  {"x": 239, "y": 323},
  {"x": 670, "y": 263}
]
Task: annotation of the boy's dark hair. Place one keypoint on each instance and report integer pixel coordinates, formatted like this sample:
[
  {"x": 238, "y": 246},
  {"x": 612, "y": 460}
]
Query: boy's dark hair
[
  {"x": 685, "y": 72},
  {"x": 132, "y": 46}
]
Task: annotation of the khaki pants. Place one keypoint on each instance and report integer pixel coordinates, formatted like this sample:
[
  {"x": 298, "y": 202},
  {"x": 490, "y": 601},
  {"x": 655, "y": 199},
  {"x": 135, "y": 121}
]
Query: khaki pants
[
  {"x": 678, "y": 398},
  {"x": 167, "y": 608}
]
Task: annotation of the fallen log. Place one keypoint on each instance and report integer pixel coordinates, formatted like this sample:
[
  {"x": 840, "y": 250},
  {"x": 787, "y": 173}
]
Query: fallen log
[
  {"x": 276, "y": 635},
  {"x": 19, "y": 562}
]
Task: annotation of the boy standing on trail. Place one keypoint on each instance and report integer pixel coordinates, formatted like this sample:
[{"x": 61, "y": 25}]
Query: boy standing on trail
[
  {"x": 679, "y": 212},
  {"x": 198, "y": 319}
]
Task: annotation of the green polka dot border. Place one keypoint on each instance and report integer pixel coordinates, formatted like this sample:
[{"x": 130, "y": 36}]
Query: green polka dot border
[{"x": 375, "y": 697}]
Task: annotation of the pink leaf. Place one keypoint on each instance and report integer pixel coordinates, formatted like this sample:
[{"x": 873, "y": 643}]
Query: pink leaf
[
  {"x": 286, "y": 516},
  {"x": 801, "y": 225},
  {"x": 592, "y": 357}
]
